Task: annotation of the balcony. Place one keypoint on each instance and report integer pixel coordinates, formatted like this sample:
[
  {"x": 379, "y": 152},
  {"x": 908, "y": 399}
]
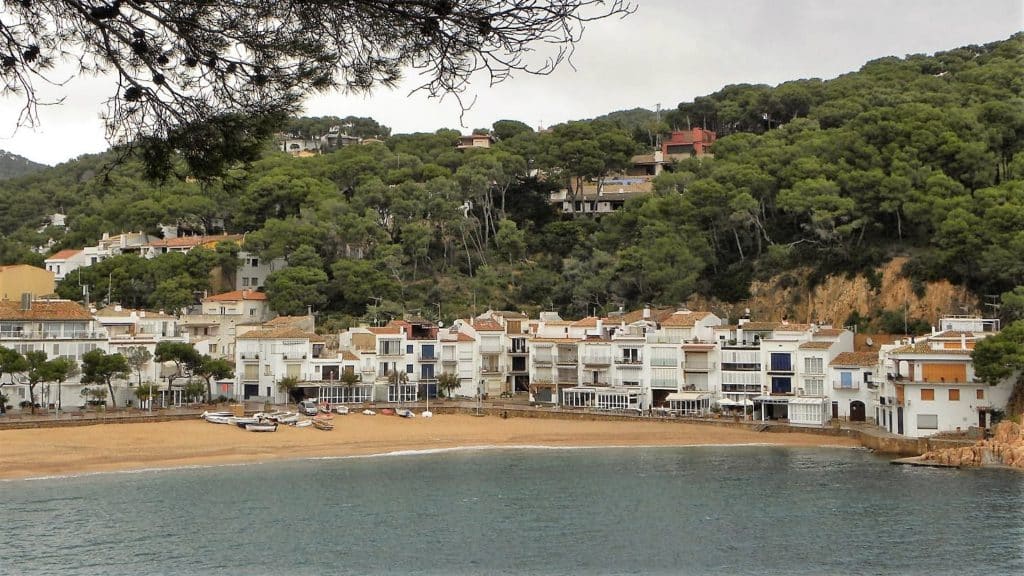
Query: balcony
[
  {"x": 542, "y": 360},
  {"x": 491, "y": 369},
  {"x": 248, "y": 356},
  {"x": 740, "y": 367},
  {"x": 665, "y": 362},
  {"x": 390, "y": 352},
  {"x": 628, "y": 360},
  {"x": 427, "y": 358},
  {"x": 597, "y": 360},
  {"x": 670, "y": 383},
  {"x": 518, "y": 350},
  {"x": 567, "y": 361},
  {"x": 448, "y": 360},
  {"x": 837, "y": 385},
  {"x": 699, "y": 366},
  {"x": 491, "y": 348},
  {"x": 744, "y": 388}
]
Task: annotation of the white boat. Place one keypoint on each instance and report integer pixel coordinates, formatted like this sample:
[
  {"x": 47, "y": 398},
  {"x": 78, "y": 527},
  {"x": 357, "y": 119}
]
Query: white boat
[
  {"x": 427, "y": 414},
  {"x": 405, "y": 413},
  {"x": 341, "y": 409},
  {"x": 262, "y": 427},
  {"x": 217, "y": 419},
  {"x": 369, "y": 412},
  {"x": 303, "y": 424},
  {"x": 241, "y": 422},
  {"x": 207, "y": 415}
]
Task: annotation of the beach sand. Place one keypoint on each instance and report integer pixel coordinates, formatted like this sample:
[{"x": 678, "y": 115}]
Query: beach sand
[{"x": 117, "y": 447}]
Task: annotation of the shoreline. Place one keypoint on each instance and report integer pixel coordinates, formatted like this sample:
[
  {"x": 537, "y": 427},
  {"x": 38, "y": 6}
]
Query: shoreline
[{"x": 46, "y": 453}]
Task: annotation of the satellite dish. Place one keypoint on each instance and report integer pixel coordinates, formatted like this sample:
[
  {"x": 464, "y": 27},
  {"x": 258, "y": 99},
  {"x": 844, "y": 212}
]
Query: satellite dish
[
  {"x": 441, "y": 325},
  {"x": 869, "y": 341}
]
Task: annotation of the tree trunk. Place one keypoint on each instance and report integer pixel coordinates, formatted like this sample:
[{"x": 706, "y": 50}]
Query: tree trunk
[
  {"x": 110, "y": 389},
  {"x": 32, "y": 397}
]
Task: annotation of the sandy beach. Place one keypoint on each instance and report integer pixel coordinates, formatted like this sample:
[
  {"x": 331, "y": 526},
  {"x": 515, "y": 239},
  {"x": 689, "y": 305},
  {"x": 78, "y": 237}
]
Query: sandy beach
[{"x": 117, "y": 447}]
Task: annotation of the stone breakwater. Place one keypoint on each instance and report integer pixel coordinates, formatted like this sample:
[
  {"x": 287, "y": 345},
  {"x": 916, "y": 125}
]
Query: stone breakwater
[{"x": 1006, "y": 448}]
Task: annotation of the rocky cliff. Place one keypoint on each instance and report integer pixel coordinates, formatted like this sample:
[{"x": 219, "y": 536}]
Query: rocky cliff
[
  {"x": 1006, "y": 448},
  {"x": 836, "y": 297}
]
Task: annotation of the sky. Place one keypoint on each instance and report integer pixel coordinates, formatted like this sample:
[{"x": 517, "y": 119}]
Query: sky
[{"x": 668, "y": 52}]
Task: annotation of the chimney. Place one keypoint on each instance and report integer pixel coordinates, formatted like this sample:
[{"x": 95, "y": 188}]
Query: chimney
[
  {"x": 600, "y": 327},
  {"x": 963, "y": 341},
  {"x": 117, "y": 307},
  {"x": 745, "y": 318},
  {"x": 647, "y": 312},
  {"x": 26, "y": 301}
]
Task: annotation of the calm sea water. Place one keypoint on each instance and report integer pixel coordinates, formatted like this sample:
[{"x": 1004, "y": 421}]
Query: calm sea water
[{"x": 700, "y": 510}]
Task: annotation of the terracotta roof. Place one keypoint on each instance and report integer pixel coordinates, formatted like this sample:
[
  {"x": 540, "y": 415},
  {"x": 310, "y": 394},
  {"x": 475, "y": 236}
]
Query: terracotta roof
[
  {"x": 657, "y": 315},
  {"x": 236, "y": 295},
  {"x": 588, "y": 322},
  {"x": 390, "y": 330},
  {"x": 645, "y": 159},
  {"x": 44, "y": 310},
  {"x": 793, "y": 327},
  {"x": 64, "y": 254},
  {"x": 556, "y": 340},
  {"x": 346, "y": 355},
  {"x": 855, "y": 359},
  {"x": 283, "y": 320},
  {"x": 830, "y": 331},
  {"x": 193, "y": 241},
  {"x": 923, "y": 347},
  {"x": 953, "y": 334},
  {"x": 613, "y": 191},
  {"x": 760, "y": 326},
  {"x": 463, "y": 337},
  {"x": 487, "y": 326},
  {"x": 684, "y": 319},
  {"x": 510, "y": 314},
  {"x": 816, "y": 345},
  {"x": 279, "y": 333}
]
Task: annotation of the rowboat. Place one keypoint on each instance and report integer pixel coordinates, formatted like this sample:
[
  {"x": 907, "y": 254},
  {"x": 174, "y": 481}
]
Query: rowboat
[
  {"x": 262, "y": 427},
  {"x": 369, "y": 412},
  {"x": 303, "y": 424},
  {"x": 207, "y": 415},
  {"x": 241, "y": 422},
  {"x": 387, "y": 411},
  {"x": 217, "y": 419},
  {"x": 341, "y": 409},
  {"x": 322, "y": 424},
  {"x": 405, "y": 413}
]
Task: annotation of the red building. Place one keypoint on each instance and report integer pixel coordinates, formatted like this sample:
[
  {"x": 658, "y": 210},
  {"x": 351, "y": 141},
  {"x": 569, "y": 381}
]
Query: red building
[{"x": 685, "y": 143}]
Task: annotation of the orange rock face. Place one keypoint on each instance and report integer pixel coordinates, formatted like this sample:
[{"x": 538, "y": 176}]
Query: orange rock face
[{"x": 1006, "y": 447}]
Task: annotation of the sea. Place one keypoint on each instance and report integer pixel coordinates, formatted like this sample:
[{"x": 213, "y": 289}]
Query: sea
[{"x": 647, "y": 510}]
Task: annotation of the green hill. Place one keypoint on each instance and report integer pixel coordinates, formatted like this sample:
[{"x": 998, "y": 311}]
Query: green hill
[
  {"x": 921, "y": 156},
  {"x": 12, "y": 165}
]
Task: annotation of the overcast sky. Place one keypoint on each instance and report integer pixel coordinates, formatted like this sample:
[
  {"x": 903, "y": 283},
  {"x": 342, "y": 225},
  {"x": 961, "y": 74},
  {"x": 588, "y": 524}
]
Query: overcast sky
[{"x": 668, "y": 52}]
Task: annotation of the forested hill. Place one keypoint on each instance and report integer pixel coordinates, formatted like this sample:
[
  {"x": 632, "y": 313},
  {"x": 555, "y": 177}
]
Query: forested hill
[
  {"x": 12, "y": 165},
  {"x": 919, "y": 157}
]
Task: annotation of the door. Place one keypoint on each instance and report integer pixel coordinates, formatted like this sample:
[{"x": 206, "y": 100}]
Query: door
[
  {"x": 981, "y": 419},
  {"x": 899, "y": 420},
  {"x": 835, "y": 410},
  {"x": 857, "y": 411}
]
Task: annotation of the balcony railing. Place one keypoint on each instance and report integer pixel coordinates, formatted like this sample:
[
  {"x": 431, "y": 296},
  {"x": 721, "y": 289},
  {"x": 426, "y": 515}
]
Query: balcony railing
[
  {"x": 33, "y": 335},
  {"x": 567, "y": 361},
  {"x": 748, "y": 388},
  {"x": 627, "y": 360},
  {"x": 427, "y": 357},
  {"x": 699, "y": 366},
  {"x": 449, "y": 359},
  {"x": 495, "y": 369},
  {"x": 669, "y": 362},
  {"x": 664, "y": 383},
  {"x": 542, "y": 360},
  {"x": 595, "y": 359},
  {"x": 837, "y": 385},
  {"x": 517, "y": 350},
  {"x": 391, "y": 352}
]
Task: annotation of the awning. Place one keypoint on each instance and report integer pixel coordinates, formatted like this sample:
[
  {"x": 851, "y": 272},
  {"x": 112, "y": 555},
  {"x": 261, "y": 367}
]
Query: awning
[
  {"x": 731, "y": 402},
  {"x": 687, "y": 396},
  {"x": 808, "y": 401},
  {"x": 773, "y": 399}
]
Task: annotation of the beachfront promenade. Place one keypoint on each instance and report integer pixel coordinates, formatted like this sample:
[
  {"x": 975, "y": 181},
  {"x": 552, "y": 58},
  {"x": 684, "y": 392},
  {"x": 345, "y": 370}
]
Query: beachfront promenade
[{"x": 867, "y": 434}]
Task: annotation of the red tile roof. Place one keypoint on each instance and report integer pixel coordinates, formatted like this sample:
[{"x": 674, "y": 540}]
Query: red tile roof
[
  {"x": 346, "y": 355},
  {"x": 279, "y": 333},
  {"x": 236, "y": 295},
  {"x": 463, "y": 337},
  {"x": 684, "y": 319},
  {"x": 64, "y": 254},
  {"x": 830, "y": 331},
  {"x": 855, "y": 359},
  {"x": 44, "y": 310},
  {"x": 390, "y": 330},
  {"x": 588, "y": 322},
  {"x": 487, "y": 326},
  {"x": 816, "y": 345},
  {"x": 193, "y": 241}
]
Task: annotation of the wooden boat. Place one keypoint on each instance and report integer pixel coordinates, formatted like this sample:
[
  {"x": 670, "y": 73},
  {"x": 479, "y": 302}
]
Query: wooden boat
[
  {"x": 405, "y": 413},
  {"x": 387, "y": 411},
  {"x": 322, "y": 424},
  {"x": 262, "y": 427},
  {"x": 323, "y": 416}
]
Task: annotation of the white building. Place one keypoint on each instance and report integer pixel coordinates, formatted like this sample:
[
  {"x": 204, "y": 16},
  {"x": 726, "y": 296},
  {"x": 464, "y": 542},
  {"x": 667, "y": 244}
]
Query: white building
[
  {"x": 126, "y": 328},
  {"x": 264, "y": 356}
]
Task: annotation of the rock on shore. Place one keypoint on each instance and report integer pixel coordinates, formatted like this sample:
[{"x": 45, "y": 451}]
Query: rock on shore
[{"x": 1006, "y": 447}]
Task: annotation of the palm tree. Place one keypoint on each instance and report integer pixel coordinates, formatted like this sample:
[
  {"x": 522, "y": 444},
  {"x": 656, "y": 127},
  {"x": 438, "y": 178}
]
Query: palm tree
[
  {"x": 288, "y": 384},
  {"x": 447, "y": 382}
]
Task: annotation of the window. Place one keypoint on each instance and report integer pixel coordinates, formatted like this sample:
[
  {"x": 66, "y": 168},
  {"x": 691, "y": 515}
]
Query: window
[
  {"x": 251, "y": 372},
  {"x": 212, "y": 349},
  {"x": 292, "y": 370},
  {"x": 954, "y": 394},
  {"x": 927, "y": 422},
  {"x": 408, "y": 348},
  {"x": 846, "y": 379},
  {"x": 814, "y": 365},
  {"x": 245, "y": 281},
  {"x": 979, "y": 394},
  {"x": 781, "y": 362},
  {"x": 254, "y": 262},
  {"x": 408, "y": 368},
  {"x": 252, "y": 311},
  {"x": 814, "y": 387},
  {"x": 927, "y": 394}
]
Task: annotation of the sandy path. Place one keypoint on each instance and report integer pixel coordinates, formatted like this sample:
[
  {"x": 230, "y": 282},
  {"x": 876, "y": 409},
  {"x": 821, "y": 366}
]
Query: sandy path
[{"x": 109, "y": 447}]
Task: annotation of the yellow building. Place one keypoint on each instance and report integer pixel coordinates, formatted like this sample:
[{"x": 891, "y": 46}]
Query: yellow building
[{"x": 18, "y": 279}]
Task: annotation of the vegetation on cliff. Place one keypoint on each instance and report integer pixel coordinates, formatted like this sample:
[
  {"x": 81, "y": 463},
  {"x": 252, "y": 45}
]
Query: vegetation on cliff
[{"x": 920, "y": 156}]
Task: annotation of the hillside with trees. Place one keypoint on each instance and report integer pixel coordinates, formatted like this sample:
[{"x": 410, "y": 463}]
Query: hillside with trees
[
  {"x": 920, "y": 157},
  {"x": 12, "y": 165}
]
